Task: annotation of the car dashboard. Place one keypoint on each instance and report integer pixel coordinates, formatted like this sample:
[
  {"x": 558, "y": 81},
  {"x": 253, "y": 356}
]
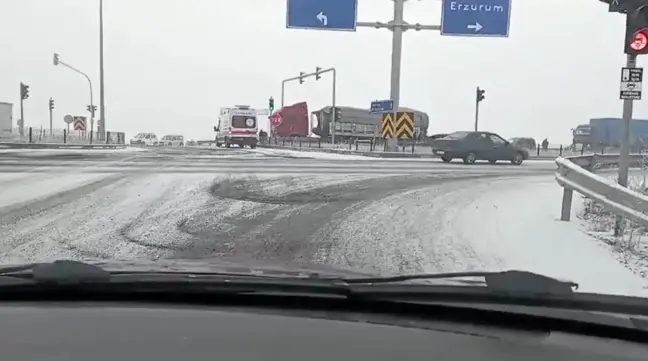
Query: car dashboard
[{"x": 117, "y": 331}]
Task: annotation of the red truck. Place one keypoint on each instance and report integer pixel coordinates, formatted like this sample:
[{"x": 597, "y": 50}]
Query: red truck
[{"x": 295, "y": 121}]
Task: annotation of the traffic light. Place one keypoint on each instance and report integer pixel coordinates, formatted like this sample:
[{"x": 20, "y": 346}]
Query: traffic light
[
  {"x": 271, "y": 104},
  {"x": 56, "y": 59},
  {"x": 480, "y": 94},
  {"x": 338, "y": 114},
  {"x": 91, "y": 108},
  {"x": 636, "y": 41},
  {"x": 317, "y": 73},
  {"x": 51, "y": 104},
  {"x": 301, "y": 77},
  {"x": 24, "y": 91}
]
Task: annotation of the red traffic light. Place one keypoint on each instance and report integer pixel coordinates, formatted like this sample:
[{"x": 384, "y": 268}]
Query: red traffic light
[{"x": 640, "y": 40}]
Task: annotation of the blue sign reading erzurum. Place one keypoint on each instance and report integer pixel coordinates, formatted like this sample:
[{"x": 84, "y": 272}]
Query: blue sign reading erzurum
[
  {"x": 381, "y": 106},
  {"x": 476, "y": 18},
  {"x": 340, "y": 15}
]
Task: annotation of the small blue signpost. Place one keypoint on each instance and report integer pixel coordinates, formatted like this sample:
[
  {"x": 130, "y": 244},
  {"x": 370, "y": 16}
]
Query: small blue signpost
[
  {"x": 481, "y": 18},
  {"x": 334, "y": 15},
  {"x": 382, "y": 106}
]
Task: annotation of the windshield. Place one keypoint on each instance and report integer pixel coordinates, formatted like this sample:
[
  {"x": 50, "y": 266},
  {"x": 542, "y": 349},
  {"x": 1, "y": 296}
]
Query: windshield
[{"x": 343, "y": 163}]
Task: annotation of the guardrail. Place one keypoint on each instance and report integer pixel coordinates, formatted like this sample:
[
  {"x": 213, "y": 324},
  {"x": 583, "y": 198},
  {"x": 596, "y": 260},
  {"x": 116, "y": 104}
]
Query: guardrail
[
  {"x": 577, "y": 174},
  {"x": 8, "y": 145}
]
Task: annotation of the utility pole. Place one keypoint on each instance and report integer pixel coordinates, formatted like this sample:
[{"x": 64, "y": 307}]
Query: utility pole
[
  {"x": 478, "y": 99},
  {"x": 317, "y": 74},
  {"x": 51, "y": 109},
  {"x": 398, "y": 26},
  {"x": 636, "y": 43}
]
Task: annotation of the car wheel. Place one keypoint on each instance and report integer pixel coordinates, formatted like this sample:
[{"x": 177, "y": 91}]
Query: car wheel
[
  {"x": 470, "y": 158},
  {"x": 518, "y": 158},
  {"x": 446, "y": 159}
]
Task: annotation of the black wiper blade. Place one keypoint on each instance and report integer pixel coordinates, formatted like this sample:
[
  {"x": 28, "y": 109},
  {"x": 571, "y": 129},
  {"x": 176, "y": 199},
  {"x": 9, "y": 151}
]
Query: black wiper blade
[
  {"x": 505, "y": 281},
  {"x": 60, "y": 271}
]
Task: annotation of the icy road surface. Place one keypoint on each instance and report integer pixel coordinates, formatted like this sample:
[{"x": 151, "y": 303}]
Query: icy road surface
[{"x": 386, "y": 216}]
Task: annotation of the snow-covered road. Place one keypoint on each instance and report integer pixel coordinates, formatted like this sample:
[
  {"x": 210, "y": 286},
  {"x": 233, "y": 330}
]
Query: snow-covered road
[{"x": 387, "y": 216}]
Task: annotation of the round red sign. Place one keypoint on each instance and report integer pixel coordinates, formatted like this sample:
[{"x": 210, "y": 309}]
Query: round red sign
[{"x": 276, "y": 119}]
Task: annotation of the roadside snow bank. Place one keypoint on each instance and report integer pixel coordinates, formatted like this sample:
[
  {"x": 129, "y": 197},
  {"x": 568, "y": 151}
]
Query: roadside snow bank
[{"x": 485, "y": 225}]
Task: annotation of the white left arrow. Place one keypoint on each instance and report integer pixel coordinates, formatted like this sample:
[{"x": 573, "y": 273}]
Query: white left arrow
[
  {"x": 476, "y": 27},
  {"x": 322, "y": 18}
]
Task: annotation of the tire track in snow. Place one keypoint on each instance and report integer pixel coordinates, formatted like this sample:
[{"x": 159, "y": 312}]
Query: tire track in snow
[{"x": 413, "y": 232}]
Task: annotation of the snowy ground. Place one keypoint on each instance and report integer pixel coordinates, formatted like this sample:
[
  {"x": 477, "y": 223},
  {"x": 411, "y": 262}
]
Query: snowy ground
[
  {"x": 390, "y": 217},
  {"x": 631, "y": 250}
]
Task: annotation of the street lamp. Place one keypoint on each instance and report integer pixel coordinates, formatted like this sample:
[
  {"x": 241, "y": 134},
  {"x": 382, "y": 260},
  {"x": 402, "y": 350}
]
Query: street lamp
[{"x": 57, "y": 62}]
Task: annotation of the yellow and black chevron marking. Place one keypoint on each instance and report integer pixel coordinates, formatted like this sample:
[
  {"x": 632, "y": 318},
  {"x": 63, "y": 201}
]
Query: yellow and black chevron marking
[
  {"x": 405, "y": 125},
  {"x": 388, "y": 129}
]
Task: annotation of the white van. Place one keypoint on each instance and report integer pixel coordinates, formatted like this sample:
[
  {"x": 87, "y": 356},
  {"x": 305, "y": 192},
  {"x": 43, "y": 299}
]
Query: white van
[
  {"x": 172, "y": 140},
  {"x": 147, "y": 139}
]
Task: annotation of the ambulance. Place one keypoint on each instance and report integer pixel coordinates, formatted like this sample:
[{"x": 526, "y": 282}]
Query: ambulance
[{"x": 237, "y": 125}]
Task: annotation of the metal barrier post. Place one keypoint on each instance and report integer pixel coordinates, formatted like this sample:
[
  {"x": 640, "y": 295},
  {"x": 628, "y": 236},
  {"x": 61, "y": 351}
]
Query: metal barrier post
[{"x": 565, "y": 212}]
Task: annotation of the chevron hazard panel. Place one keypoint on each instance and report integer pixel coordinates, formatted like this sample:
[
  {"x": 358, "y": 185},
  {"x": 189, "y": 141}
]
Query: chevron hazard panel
[
  {"x": 405, "y": 125},
  {"x": 388, "y": 129}
]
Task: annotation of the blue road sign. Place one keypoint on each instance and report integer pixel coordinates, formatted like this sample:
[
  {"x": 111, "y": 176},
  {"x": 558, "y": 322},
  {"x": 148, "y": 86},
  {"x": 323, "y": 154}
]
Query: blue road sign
[
  {"x": 381, "y": 106},
  {"x": 476, "y": 18},
  {"x": 337, "y": 15}
]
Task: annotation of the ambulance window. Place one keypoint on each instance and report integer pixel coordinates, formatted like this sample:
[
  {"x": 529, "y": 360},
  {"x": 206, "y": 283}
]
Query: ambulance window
[{"x": 242, "y": 121}]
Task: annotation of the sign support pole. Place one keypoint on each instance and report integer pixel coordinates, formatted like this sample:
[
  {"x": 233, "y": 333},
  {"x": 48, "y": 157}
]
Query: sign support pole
[{"x": 625, "y": 145}]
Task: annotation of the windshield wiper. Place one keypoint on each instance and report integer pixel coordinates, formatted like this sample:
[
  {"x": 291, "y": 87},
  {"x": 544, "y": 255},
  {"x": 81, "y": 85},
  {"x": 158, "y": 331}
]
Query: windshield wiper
[
  {"x": 505, "y": 281},
  {"x": 60, "y": 271},
  {"x": 72, "y": 272}
]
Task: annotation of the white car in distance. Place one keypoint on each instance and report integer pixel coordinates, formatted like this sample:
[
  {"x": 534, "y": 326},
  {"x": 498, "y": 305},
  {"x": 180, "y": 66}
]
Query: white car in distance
[
  {"x": 172, "y": 140},
  {"x": 147, "y": 139}
]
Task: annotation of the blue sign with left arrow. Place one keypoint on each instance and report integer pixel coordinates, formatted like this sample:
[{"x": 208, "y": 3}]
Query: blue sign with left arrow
[
  {"x": 487, "y": 18},
  {"x": 334, "y": 15}
]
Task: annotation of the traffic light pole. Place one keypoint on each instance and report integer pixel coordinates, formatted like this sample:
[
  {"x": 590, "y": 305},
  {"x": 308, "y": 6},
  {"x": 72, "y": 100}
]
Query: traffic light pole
[
  {"x": 21, "y": 129},
  {"x": 625, "y": 145},
  {"x": 333, "y": 95},
  {"x": 477, "y": 110},
  {"x": 398, "y": 26},
  {"x": 51, "y": 118},
  {"x": 102, "y": 105},
  {"x": 59, "y": 62}
]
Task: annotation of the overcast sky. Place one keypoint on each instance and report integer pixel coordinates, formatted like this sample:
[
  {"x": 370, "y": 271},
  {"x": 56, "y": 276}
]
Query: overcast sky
[{"x": 171, "y": 64}]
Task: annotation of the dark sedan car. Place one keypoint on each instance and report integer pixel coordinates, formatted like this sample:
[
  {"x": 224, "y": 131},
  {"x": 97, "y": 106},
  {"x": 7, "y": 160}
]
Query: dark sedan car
[{"x": 473, "y": 146}]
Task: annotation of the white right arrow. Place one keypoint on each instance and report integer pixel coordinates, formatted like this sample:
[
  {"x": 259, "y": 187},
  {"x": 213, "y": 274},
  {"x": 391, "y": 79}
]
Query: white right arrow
[
  {"x": 476, "y": 27},
  {"x": 322, "y": 18}
]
